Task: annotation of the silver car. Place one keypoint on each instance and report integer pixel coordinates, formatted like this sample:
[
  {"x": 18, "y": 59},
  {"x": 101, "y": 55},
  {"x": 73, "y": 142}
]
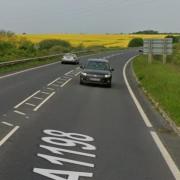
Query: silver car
[{"x": 70, "y": 58}]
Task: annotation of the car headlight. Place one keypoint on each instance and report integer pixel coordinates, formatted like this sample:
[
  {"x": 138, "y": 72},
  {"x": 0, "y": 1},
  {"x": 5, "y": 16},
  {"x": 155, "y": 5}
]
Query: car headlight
[
  {"x": 107, "y": 75},
  {"x": 84, "y": 74}
]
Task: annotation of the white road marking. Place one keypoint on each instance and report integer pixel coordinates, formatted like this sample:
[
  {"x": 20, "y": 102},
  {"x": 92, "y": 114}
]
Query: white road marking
[
  {"x": 8, "y": 135},
  {"x": 69, "y": 72},
  {"x": 6, "y": 123},
  {"x": 65, "y": 77},
  {"x": 53, "y": 174},
  {"x": 26, "y": 99},
  {"x": 51, "y": 89},
  {"x": 66, "y": 82},
  {"x": 33, "y": 105},
  {"x": 170, "y": 162},
  {"x": 43, "y": 102},
  {"x": 55, "y": 85},
  {"x": 53, "y": 81},
  {"x": 20, "y": 113},
  {"x": 35, "y": 97},
  {"x": 45, "y": 92},
  {"x": 31, "y": 69},
  {"x": 78, "y": 73}
]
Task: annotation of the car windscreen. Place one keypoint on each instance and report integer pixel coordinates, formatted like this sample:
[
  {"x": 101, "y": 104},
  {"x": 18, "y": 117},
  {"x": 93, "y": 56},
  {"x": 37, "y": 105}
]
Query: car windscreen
[{"x": 97, "y": 65}]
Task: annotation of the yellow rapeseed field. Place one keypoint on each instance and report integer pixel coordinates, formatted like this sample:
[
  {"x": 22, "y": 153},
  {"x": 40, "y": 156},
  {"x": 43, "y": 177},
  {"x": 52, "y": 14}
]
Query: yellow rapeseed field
[{"x": 107, "y": 40}]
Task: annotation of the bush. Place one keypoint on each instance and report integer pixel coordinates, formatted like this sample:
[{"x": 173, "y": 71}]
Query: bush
[
  {"x": 6, "y": 47},
  {"x": 27, "y": 46},
  {"x": 136, "y": 42},
  {"x": 47, "y": 44},
  {"x": 59, "y": 49}
]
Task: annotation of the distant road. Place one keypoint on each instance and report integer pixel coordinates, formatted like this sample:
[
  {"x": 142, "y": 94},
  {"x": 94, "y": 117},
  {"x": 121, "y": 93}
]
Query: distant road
[{"x": 51, "y": 127}]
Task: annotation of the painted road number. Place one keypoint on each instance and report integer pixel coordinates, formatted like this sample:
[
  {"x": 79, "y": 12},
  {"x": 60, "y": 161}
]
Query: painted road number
[{"x": 60, "y": 140}]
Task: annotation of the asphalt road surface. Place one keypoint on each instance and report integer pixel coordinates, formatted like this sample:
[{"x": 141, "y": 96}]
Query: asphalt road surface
[{"x": 51, "y": 127}]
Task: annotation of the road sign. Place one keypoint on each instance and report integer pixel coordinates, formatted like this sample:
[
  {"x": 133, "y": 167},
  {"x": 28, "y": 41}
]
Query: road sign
[{"x": 158, "y": 47}]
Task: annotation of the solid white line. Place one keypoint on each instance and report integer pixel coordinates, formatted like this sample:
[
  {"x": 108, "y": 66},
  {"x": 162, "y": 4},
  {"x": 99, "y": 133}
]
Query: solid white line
[
  {"x": 37, "y": 98},
  {"x": 44, "y": 101},
  {"x": 30, "y": 104},
  {"x": 8, "y": 135},
  {"x": 53, "y": 81},
  {"x": 170, "y": 162},
  {"x": 66, "y": 82},
  {"x": 78, "y": 73},
  {"x": 31, "y": 69},
  {"x": 69, "y": 72},
  {"x": 6, "y": 123},
  {"x": 26, "y": 99},
  {"x": 21, "y": 113},
  {"x": 174, "y": 169}
]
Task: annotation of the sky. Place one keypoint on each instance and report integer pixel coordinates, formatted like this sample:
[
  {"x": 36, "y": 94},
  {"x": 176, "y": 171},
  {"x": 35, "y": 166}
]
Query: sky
[{"x": 89, "y": 16}]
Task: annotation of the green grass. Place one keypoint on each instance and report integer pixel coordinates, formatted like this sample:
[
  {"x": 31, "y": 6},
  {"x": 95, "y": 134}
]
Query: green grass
[{"x": 162, "y": 82}]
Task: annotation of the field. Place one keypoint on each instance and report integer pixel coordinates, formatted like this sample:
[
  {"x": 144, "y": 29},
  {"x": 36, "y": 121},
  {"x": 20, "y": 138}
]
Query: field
[{"x": 107, "y": 40}]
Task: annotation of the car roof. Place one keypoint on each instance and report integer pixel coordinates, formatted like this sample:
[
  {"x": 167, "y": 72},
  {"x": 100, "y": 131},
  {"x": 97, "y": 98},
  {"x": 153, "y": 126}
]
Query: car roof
[{"x": 99, "y": 60}]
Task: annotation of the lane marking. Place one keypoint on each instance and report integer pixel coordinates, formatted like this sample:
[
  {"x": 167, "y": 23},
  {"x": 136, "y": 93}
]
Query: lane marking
[
  {"x": 68, "y": 72},
  {"x": 35, "y": 97},
  {"x": 78, "y": 73},
  {"x": 56, "y": 85},
  {"x": 53, "y": 81},
  {"x": 33, "y": 105},
  {"x": 43, "y": 102},
  {"x": 6, "y": 123},
  {"x": 51, "y": 89},
  {"x": 9, "y": 135},
  {"x": 45, "y": 92},
  {"x": 165, "y": 154},
  {"x": 66, "y": 82},
  {"x": 20, "y": 113},
  {"x": 31, "y": 69},
  {"x": 26, "y": 99}
]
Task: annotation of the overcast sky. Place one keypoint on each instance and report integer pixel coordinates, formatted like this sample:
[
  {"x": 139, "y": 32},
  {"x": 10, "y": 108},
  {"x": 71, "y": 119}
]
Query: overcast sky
[{"x": 89, "y": 16}]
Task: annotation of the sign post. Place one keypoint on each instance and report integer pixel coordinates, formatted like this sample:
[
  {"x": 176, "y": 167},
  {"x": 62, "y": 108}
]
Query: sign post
[{"x": 157, "y": 47}]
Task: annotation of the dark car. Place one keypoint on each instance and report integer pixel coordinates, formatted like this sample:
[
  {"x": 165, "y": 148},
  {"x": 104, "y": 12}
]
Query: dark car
[{"x": 96, "y": 71}]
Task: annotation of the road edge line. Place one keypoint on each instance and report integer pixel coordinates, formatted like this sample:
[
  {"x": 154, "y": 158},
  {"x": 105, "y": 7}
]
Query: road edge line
[{"x": 165, "y": 154}]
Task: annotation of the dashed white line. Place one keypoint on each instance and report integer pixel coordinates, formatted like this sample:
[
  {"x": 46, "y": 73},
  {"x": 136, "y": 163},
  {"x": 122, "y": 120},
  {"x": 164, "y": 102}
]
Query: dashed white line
[
  {"x": 53, "y": 81},
  {"x": 44, "y": 101},
  {"x": 26, "y": 99},
  {"x": 66, "y": 82},
  {"x": 168, "y": 159},
  {"x": 9, "y": 135},
  {"x": 20, "y": 113},
  {"x": 6, "y": 123}
]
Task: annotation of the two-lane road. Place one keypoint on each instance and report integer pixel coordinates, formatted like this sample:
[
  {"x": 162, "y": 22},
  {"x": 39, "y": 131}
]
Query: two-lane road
[{"x": 68, "y": 131}]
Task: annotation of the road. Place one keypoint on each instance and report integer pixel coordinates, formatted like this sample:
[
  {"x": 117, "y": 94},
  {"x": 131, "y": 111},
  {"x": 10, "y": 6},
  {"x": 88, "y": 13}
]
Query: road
[{"x": 51, "y": 127}]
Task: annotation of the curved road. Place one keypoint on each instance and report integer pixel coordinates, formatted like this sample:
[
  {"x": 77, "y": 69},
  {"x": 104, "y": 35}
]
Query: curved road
[{"x": 52, "y": 127}]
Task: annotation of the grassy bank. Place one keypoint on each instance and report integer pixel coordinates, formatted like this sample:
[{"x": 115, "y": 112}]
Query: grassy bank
[{"x": 162, "y": 81}]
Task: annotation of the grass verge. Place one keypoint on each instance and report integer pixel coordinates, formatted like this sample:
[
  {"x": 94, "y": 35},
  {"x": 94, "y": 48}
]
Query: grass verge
[{"x": 162, "y": 82}]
